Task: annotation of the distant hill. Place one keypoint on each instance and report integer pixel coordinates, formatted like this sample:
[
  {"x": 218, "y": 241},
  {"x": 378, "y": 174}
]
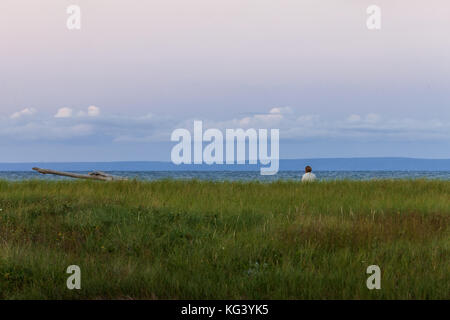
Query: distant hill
[{"x": 321, "y": 164}]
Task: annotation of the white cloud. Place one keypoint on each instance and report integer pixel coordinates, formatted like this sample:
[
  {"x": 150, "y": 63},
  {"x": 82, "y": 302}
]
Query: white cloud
[
  {"x": 281, "y": 110},
  {"x": 354, "y": 127},
  {"x": 64, "y": 113},
  {"x": 24, "y": 112},
  {"x": 93, "y": 111},
  {"x": 157, "y": 128},
  {"x": 272, "y": 119}
]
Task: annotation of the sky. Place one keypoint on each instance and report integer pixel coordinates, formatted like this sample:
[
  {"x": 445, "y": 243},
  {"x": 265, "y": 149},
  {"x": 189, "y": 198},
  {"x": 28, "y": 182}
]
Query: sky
[{"x": 137, "y": 70}]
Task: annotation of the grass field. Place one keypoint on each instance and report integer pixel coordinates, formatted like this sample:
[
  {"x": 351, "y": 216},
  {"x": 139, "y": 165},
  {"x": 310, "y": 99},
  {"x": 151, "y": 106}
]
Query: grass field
[{"x": 211, "y": 240}]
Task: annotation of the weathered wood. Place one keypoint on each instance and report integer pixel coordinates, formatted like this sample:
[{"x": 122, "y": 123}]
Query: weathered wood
[{"x": 96, "y": 175}]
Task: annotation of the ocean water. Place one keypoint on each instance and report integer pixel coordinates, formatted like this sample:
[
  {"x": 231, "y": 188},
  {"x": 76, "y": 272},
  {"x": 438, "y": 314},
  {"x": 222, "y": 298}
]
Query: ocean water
[{"x": 242, "y": 175}]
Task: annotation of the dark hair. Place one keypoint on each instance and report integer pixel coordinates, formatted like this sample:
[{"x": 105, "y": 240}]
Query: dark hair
[{"x": 308, "y": 169}]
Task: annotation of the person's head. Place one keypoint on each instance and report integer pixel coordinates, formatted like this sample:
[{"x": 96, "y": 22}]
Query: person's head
[{"x": 308, "y": 169}]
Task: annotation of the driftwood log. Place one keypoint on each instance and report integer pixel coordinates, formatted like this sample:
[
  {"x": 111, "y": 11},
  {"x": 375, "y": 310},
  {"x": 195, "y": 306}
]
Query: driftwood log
[{"x": 96, "y": 175}]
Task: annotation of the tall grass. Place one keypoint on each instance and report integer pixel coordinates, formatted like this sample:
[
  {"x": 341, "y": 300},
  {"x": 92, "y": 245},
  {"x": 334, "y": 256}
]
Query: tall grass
[{"x": 225, "y": 240}]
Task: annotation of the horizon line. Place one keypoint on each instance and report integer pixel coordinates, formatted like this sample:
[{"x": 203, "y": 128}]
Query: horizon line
[{"x": 162, "y": 161}]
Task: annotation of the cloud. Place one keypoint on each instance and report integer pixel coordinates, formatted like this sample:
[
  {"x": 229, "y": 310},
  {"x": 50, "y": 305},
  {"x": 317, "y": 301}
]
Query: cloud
[
  {"x": 369, "y": 118},
  {"x": 371, "y": 126},
  {"x": 368, "y": 127},
  {"x": 44, "y": 131},
  {"x": 89, "y": 126},
  {"x": 281, "y": 110},
  {"x": 93, "y": 111},
  {"x": 24, "y": 112},
  {"x": 64, "y": 113}
]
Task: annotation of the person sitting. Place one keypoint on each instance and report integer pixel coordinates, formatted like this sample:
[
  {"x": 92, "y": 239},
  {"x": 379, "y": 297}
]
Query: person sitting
[{"x": 308, "y": 176}]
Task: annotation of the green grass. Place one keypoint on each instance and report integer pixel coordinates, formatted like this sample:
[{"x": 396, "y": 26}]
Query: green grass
[{"x": 211, "y": 240}]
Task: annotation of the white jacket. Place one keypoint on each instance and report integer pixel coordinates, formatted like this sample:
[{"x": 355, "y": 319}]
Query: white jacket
[{"x": 309, "y": 176}]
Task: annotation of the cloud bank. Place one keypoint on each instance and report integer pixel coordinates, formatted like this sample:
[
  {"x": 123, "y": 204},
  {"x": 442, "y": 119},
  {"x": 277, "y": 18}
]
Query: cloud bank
[{"x": 69, "y": 124}]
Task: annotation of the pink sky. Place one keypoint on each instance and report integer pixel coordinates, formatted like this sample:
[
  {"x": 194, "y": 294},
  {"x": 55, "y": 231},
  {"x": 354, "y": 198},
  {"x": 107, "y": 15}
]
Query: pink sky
[{"x": 224, "y": 61}]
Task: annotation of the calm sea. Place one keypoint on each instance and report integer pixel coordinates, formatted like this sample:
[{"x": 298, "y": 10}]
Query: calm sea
[{"x": 243, "y": 175}]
